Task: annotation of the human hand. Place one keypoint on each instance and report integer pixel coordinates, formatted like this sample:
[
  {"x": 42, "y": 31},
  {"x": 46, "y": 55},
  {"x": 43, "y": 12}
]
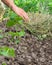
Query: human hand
[
  {"x": 16, "y": 9},
  {"x": 21, "y": 13}
]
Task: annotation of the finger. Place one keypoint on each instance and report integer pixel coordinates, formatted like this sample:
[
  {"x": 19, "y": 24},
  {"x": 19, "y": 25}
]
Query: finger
[
  {"x": 26, "y": 17},
  {"x": 24, "y": 14}
]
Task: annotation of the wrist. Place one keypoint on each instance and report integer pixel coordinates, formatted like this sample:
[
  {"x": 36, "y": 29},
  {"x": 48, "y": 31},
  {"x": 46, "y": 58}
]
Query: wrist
[
  {"x": 8, "y": 3},
  {"x": 14, "y": 7}
]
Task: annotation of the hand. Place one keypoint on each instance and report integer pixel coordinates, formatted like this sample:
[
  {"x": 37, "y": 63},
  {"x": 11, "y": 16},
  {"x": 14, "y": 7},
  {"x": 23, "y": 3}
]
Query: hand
[
  {"x": 20, "y": 12},
  {"x": 16, "y": 9}
]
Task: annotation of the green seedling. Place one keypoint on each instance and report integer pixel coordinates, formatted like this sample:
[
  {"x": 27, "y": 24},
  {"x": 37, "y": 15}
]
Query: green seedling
[
  {"x": 17, "y": 41},
  {"x": 16, "y": 34},
  {"x": 4, "y": 63},
  {"x": 1, "y": 36},
  {"x": 20, "y": 34},
  {"x": 1, "y": 31},
  {"x": 6, "y": 51}
]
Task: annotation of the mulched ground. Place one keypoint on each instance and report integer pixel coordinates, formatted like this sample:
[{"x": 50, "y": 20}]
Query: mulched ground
[{"x": 29, "y": 51}]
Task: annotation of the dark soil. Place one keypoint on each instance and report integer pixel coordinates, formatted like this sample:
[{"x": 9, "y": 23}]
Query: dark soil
[{"x": 29, "y": 51}]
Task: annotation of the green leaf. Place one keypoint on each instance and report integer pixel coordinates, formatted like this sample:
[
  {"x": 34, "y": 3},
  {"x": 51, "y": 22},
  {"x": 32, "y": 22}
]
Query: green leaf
[
  {"x": 50, "y": 4},
  {"x": 10, "y": 23},
  {"x": 12, "y": 33},
  {"x": 44, "y": 36},
  {"x": 1, "y": 36},
  {"x": 17, "y": 41},
  {"x": 4, "y": 63},
  {"x": 6, "y": 51},
  {"x": 1, "y": 31},
  {"x": 21, "y": 33}
]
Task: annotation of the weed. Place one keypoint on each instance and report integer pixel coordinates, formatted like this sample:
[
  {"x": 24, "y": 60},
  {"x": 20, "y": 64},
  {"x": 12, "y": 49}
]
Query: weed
[
  {"x": 6, "y": 51},
  {"x": 4, "y": 63}
]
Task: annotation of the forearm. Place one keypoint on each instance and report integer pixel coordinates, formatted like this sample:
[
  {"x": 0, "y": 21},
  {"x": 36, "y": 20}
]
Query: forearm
[
  {"x": 9, "y": 3},
  {"x": 16, "y": 9}
]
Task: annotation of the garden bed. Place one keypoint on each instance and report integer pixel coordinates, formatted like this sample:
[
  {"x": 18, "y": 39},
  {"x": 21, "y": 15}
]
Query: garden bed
[{"x": 30, "y": 50}]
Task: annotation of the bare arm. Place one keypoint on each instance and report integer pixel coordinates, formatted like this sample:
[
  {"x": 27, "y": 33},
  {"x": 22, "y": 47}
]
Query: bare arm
[{"x": 16, "y": 9}]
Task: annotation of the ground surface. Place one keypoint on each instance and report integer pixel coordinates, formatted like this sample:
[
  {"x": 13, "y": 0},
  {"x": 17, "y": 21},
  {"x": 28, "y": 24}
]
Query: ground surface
[{"x": 29, "y": 51}]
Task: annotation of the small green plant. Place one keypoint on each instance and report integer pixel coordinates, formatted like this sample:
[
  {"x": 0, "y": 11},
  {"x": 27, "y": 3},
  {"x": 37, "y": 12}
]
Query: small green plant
[
  {"x": 1, "y": 36},
  {"x": 43, "y": 6},
  {"x": 17, "y": 41},
  {"x": 6, "y": 51},
  {"x": 4, "y": 63},
  {"x": 18, "y": 36},
  {"x": 1, "y": 31},
  {"x": 41, "y": 37}
]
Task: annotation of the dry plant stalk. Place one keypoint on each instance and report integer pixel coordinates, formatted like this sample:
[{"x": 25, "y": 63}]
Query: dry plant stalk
[{"x": 39, "y": 24}]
